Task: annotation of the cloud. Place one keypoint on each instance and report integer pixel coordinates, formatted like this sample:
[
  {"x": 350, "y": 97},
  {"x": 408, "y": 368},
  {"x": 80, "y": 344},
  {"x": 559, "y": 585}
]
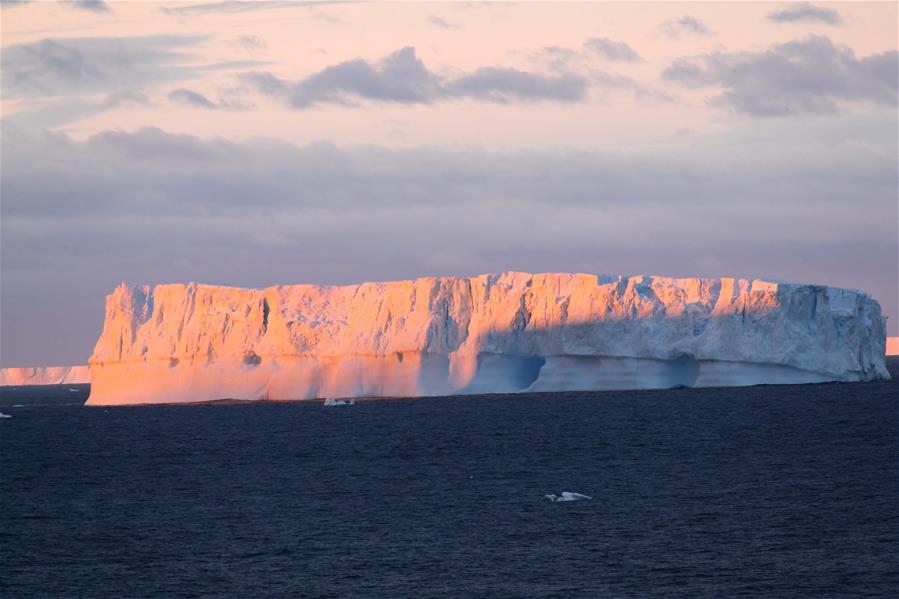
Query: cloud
[
  {"x": 402, "y": 77},
  {"x": 606, "y": 82},
  {"x": 812, "y": 75},
  {"x": 580, "y": 64},
  {"x": 57, "y": 112},
  {"x": 504, "y": 85},
  {"x": 252, "y": 43},
  {"x": 58, "y": 74},
  {"x": 56, "y": 67},
  {"x": 611, "y": 50},
  {"x": 191, "y": 98},
  {"x": 323, "y": 16},
  {"x": 686, "y": 25},
  {"x": 147, "y": 205},
  {"x": 96, "y": 6},
  {"x": 122, "y": 98},
  {"x": 241, "y": 6},
  {"x": 806, "y": 12},
  {"x": 441, "y": 22},
  {"x": 557, "y": 58},
  {"x": 187, "y": 97}
]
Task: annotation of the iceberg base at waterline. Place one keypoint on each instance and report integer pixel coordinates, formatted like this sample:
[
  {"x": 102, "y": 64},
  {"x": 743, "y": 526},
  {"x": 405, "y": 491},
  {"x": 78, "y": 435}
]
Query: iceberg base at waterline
[{"x": 314, "y": 378}]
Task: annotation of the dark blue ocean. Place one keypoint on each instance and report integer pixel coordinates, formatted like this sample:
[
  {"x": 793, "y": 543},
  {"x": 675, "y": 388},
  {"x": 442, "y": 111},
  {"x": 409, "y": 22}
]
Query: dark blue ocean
[{"x": 771, "y": 491}]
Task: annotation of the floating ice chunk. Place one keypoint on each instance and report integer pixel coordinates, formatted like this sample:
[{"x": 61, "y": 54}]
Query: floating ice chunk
[
  {"x": 339, "y": 402},
  {"x": 2, "y": 415},
  {"x": 567, "y": 496}
]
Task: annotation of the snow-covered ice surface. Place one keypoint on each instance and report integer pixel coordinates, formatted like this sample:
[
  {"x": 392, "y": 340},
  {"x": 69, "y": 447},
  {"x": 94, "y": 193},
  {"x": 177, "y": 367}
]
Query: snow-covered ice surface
[
  {"x": 45, "y": 375},
  {"x": 508, "y": 332}
]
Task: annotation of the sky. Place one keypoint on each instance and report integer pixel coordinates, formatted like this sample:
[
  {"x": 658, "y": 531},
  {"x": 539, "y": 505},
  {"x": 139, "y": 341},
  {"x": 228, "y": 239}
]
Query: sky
[{"x": 265, "y": 143}]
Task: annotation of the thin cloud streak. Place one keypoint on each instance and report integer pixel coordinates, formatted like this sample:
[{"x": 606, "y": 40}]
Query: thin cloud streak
[
  {"x": 612, "y": 50},
  {"x": 95, "y": 6},
  {"x": 56, "y": 67},
  {"x": 686, "y": 25},
  {"x": 60, "y": 73},
  {"x": 807, "y": 13},
  {"x": 441, "y": 22},
  {"x": 193, "y": 99},
  {"x": 120, "y": 98},
  {"x": 252, "y": 43},
  {"x": 241, "y": 6}
]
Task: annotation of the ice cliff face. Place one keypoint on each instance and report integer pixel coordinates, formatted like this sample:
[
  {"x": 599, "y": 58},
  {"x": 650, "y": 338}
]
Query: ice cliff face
[
  {"x": 492, "y": 333},
  {"x": 45, "y": 375}
]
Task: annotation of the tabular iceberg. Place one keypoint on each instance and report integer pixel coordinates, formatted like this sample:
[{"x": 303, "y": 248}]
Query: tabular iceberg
[
  {"x": 45, "y": 375},
  {"x": 501, "y": 333}
]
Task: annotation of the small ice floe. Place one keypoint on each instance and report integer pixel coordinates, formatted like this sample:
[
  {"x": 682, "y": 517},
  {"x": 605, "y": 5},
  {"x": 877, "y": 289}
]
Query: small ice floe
[
  {"x": 74, "y": 390},
  {"x": 2, "y": 415},
  {"x": 339, "y": 402},
  {"x": 567, "y": 496}
]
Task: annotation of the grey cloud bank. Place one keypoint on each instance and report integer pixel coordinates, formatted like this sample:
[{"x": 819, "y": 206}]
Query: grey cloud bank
[
  {"x": 812, "y": 75},
  {"x": 78, "y": 217}
]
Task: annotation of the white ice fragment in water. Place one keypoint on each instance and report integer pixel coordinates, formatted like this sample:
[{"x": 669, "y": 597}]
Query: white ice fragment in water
[
  {"x": 2, "y": 415},
  {"x": 339, "y": 402},
  {"x": 567, "y": 496}
]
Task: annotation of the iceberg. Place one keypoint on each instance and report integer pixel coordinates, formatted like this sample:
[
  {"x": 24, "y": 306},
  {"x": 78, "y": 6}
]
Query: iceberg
[
  {"x": 330, "y": 402},
  {"x": 496, "y": 333},
  {"x": 45, "y": 375}
]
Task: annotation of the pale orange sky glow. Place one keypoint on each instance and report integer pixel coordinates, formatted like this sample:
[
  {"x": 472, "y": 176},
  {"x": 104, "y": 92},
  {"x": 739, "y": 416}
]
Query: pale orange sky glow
[{"x": 275, "y": 142}]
